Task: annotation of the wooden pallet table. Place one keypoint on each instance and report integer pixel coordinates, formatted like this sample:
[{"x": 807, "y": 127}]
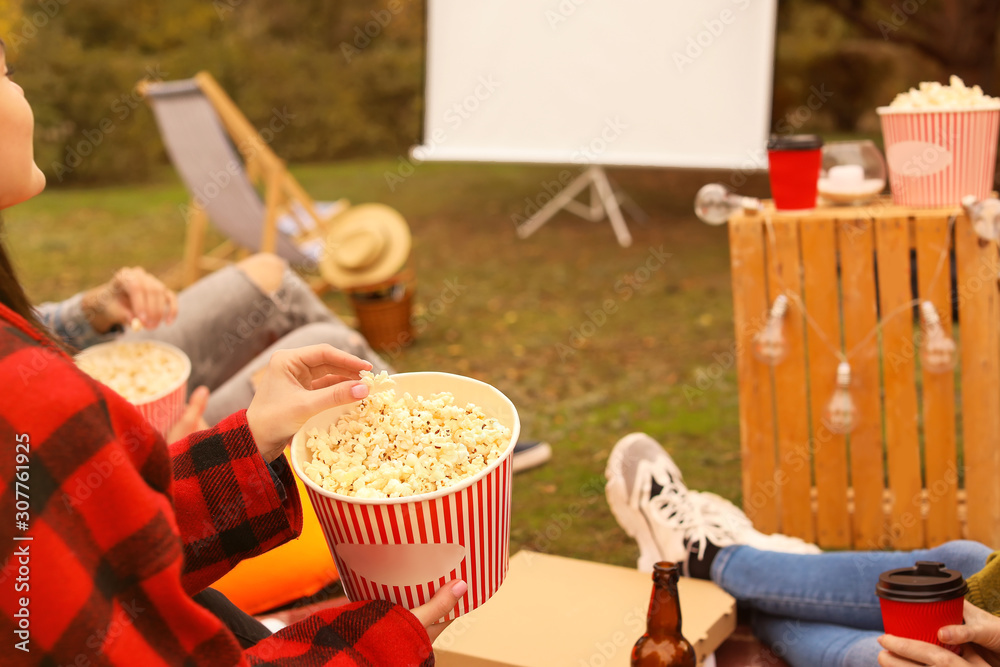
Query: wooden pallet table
[{"x": 922, "y": 465}]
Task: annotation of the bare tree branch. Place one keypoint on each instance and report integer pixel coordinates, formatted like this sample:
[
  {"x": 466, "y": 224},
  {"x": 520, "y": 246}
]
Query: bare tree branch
[{"x": 856, "y": 15}]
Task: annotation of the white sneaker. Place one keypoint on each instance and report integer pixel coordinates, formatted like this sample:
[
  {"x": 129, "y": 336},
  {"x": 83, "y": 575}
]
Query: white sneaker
[
  {"x": 707, "y": 516},
  {"x": 647, "y": 495},
  {"x": 637, "y": 471}
]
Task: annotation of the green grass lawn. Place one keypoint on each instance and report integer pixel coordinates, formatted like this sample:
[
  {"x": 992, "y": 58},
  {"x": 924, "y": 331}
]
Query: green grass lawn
[{"x": 590, "y": 340}]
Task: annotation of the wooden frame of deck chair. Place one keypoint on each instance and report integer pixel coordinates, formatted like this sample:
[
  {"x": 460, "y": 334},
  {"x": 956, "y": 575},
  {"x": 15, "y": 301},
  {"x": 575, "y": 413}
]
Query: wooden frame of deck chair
[
  {"x": 911, "y": 474},
  {"x": 223, "y": 160}
]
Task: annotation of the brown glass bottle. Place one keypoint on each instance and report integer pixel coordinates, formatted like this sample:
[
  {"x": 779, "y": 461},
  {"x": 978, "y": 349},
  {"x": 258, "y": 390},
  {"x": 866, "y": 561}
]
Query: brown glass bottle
[{"x": 663, "y": 645}]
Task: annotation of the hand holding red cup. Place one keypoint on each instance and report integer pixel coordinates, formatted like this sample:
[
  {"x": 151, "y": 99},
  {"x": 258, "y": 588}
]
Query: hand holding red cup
[{"x": 918, "y": 601}]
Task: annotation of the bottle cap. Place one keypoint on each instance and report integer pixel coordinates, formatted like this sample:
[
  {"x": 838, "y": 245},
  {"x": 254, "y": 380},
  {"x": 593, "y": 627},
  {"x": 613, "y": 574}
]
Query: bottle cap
[{"x": 925, "y": 582}]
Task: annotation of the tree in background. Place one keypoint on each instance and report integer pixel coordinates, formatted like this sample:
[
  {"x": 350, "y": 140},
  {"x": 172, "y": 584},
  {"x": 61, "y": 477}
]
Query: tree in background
[
  {"x": 10, "y": 15},
  {"x": 961, "y": 35},
  {"x": 348, "y": 75}
]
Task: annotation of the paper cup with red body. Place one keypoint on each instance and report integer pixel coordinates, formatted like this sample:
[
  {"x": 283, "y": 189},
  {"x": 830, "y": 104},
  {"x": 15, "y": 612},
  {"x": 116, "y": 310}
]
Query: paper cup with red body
[
  {"x": 794, "y": 163},
  {"x": 404, "y": 549},
  {"x": 918, "y": 601}
]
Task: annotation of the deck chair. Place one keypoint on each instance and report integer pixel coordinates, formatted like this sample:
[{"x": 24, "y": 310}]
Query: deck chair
[{"x": 225, "y": 164}]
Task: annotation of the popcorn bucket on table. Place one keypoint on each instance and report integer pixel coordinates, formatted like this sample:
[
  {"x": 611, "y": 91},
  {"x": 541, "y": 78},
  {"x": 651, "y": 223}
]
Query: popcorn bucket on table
[
  {"x": 938, "y": 156},
  {"x": 404, "y": 549},
  {"x": 164, "y": 407}
]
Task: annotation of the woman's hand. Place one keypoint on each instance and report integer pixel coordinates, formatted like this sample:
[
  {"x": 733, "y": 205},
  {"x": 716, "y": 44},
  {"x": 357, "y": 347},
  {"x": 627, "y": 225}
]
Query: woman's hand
[
  {"x": 437, "y": 607},
  {"x": 981, "y": 628},
  {"x": 132, "y": 294},
  {"x": 297, "y": 385},
  {"x": 192, "y": 419},
  {"x": 901, "y": 652},
  {"x": 980, "y": 637}
]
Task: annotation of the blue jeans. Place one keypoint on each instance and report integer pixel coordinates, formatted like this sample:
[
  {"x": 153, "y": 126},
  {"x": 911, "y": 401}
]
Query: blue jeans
[{"x": 821, "y": 610}]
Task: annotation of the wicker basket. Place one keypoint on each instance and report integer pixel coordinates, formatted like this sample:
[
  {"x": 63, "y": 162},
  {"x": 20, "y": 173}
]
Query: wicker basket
[{"x": 384, "y": 311}]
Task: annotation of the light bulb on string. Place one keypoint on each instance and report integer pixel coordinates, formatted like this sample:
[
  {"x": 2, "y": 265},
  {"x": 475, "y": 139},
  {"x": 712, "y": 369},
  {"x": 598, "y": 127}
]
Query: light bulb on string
[
  {"x": 841, "y": 415},
  {"x": 769, "y": 345},
  {"x": 715, "y": 204},
  {"x": 984, "y": 215},
  {"x": 937, "y": 349}
]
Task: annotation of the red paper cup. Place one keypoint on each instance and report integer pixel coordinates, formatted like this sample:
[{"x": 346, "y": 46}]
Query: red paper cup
[
  {"x": 165, "y": 408},
  {"x": 918, "y": 601},
  {"x": 794, "y": 164},
  {"x": 921, "y": 620},
  {"x": 936, "y": 157},
  {"x": 404, "y": 549}
]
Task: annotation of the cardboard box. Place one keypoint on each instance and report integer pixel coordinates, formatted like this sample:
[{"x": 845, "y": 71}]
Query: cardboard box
[{"x": 559, "y": 612}]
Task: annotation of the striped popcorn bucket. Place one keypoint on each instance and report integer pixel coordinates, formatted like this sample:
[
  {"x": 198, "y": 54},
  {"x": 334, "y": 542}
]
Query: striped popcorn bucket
[
  {"x": 936, "y": 157},
  {"x": 164, "y": 409},
  {"x": 404, "y": 549}
]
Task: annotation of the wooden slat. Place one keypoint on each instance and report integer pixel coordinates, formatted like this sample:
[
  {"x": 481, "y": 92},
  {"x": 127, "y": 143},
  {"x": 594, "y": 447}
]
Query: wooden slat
[
  {"x": 978, "y": 321},
  {"x": 906, "y": 529},
  {"x": 856, "y": 240},
  {"x": 938, "y": 399},
  {"x": 756, "y": 406},
  {"x": 820, "y": 286},
  {"x": 794, "y": 463}
]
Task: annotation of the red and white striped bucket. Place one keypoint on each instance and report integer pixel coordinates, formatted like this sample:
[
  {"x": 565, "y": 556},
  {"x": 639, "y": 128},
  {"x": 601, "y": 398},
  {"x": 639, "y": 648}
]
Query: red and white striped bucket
[
  {"x": 164, "y": 409},
  {"x": 936, "y": 157},
  {"x": 404, "y": 549}
]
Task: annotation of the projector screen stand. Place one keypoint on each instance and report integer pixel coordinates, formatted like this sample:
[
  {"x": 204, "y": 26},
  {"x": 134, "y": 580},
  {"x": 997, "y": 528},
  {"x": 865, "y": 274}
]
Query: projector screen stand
[{"x": 603, "y": 204}]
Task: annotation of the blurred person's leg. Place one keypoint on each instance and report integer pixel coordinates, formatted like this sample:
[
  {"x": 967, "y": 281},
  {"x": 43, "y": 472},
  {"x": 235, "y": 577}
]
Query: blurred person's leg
[
  {"x": 226, "y": 319},
  {"x": 805, "y": 644},
  {"x": 835, "y": 588},
  {"x": 235, "y": 393}
]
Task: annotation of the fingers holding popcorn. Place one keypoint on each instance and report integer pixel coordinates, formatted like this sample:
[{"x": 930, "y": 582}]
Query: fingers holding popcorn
[
  {"x": 296, "y": 385},
  {"x": 132, "y": 298},
  {"x": 144, "y": 297}
]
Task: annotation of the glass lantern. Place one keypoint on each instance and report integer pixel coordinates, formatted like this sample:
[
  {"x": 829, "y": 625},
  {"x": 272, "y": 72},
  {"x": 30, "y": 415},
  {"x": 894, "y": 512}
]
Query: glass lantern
[{"x": 853, "y": 173}]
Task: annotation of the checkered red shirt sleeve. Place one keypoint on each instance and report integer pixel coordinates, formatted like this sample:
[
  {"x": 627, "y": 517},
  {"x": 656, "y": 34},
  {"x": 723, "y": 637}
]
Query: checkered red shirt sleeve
[
  {"x": 107, "y": 580},
  {"x": 363, "y": 633},
  {"x": 226, "y": 503}
]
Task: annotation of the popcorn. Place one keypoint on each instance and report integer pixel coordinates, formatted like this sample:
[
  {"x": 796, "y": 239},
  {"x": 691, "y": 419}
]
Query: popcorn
[
  {"x": 138, "y": 371},
  {"x": 391, "y": 446},
  {"x": 932, "y": 95}
]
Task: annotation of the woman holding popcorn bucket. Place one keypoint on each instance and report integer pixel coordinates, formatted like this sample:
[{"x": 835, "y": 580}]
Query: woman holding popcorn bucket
[{"x": 112, "y": 572}]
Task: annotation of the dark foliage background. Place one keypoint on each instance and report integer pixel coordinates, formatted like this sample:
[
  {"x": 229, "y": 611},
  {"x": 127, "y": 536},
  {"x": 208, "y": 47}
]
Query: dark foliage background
[{"x": 351, "y": 72}]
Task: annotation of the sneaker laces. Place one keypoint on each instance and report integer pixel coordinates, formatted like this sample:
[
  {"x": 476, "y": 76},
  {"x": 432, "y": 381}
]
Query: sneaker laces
[
  {"x": 701, "y": 517},
  {"x": 656, "y": 478}
]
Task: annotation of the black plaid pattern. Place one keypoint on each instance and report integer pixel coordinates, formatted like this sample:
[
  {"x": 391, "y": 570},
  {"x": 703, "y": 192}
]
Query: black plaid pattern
[
  {"x": 113, "y": 527},
  {"x": 344, "y": 639}
]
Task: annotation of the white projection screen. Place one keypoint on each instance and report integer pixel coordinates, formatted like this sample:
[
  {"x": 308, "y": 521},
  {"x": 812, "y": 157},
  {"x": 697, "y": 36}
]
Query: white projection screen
[{"x": 653, "y": 83}]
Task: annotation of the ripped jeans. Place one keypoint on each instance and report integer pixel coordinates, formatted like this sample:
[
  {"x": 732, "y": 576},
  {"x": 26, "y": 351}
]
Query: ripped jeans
[{"x": 230, "y": 328}]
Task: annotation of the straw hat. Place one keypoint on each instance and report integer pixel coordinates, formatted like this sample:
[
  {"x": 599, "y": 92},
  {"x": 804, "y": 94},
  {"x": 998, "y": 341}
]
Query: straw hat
[{"x": 367, "y": 244}]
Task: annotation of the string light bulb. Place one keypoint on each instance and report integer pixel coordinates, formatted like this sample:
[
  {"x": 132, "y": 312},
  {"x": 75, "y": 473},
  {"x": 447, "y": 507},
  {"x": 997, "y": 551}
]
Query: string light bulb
[
  {"x": 937, "y": 349},
  {"x": 769, "y": 345},
  {"x": 715, "y": 204},
  {"x": 841, "y": 415},
  {"x": 984, "y": 215}
]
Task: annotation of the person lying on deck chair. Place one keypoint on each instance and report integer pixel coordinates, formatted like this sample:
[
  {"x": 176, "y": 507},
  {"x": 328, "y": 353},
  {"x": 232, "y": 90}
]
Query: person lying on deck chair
[{"x": 229, "y": 324}]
